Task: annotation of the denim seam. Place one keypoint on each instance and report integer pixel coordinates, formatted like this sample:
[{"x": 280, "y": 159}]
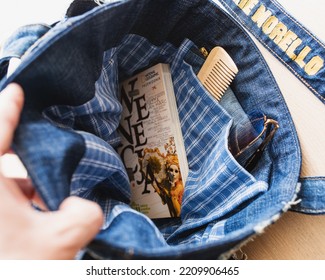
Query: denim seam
[
  {"x": 308, "y": 210},
  {"x": 313, "y": 178},
  {"x": 257, "y": 119}
]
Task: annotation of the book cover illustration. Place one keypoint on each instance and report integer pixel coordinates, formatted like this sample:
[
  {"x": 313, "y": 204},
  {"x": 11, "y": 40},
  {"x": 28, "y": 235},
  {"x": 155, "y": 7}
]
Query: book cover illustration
[{"x": 152, "y": 147}]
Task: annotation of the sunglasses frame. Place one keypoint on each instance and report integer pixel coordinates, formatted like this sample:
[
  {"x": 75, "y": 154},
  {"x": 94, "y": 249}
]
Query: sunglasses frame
[{"x": 268, "y": 124}]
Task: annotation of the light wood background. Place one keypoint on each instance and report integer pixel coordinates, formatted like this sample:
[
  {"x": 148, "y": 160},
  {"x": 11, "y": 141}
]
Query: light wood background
[{"x": 294, "y": 236}]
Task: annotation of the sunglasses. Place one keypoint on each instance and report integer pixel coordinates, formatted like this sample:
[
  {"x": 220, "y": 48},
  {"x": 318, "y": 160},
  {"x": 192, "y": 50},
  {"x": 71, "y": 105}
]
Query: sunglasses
[{"x": 270, "y": 127}]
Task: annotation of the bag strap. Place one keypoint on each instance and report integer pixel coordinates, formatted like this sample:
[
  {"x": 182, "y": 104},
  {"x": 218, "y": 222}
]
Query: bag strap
[{"x": 287, "y": 39}]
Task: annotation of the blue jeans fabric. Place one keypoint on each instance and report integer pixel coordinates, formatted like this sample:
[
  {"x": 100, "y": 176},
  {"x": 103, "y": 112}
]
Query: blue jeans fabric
[
  {"x": 67, "y": 134},
  {"x": 312, "y": 196}
]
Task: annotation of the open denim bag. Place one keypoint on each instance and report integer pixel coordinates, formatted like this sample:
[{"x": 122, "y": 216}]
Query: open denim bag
[{"x": 67, "y": 135}]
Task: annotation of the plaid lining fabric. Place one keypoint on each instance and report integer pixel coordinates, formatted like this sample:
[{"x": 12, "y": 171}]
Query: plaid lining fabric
[{"x": 216, "y": 184}]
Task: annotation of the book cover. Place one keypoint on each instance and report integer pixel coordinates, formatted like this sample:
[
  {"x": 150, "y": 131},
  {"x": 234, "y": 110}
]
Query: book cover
[{"x": 152, "y": 147}]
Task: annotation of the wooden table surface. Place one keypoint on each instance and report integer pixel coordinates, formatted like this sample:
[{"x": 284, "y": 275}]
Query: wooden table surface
[{"x": 293, "y": 237}]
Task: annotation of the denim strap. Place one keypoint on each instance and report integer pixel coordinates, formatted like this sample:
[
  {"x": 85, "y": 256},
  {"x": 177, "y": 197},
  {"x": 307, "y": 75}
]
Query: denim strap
[{"x": 287, "y": 39}]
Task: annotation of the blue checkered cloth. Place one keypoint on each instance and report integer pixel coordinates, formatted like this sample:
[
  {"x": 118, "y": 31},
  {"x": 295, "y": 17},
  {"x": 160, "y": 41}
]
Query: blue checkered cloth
[{"x": 216, "y": 184}]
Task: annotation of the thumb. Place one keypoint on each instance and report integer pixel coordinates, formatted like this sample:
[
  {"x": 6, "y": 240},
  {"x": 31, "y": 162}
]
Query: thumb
[
  {"x": 74, "y": 225},
  {"x": 11, "y": 103}
]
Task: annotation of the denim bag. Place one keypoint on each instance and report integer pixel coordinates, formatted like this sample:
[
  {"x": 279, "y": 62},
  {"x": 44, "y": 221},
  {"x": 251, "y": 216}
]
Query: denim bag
[{"x": 67, "y": 135}]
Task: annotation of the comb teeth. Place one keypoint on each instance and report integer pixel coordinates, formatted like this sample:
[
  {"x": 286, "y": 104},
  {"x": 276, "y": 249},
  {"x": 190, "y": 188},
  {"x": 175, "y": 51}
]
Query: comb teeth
[{"x": 217, "y": 72}]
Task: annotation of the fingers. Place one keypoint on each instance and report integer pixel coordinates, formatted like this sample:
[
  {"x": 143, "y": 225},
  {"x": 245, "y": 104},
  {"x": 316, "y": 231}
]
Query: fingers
[
  {"x": 83, "y": 215},
  {"x": 11, "y": 103},
  {"x": 10, "y": 193},
  {"x": 74, "y": 226},
  {"x": 83, "y": 212},
  {"x": 51, "y": 235},
  {"x": 27, "y": 187},
  {"x": 30, "y": 234}
]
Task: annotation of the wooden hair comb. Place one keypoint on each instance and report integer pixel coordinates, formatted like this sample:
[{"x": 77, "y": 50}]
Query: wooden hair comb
[{"x": 217, "y": 72}]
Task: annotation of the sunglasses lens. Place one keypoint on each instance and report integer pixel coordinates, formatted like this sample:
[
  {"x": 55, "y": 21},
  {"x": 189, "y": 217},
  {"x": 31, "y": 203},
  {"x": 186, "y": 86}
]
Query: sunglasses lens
[
  {"x": 244, "y": 133},
  {"x": 270, "y": 127}
]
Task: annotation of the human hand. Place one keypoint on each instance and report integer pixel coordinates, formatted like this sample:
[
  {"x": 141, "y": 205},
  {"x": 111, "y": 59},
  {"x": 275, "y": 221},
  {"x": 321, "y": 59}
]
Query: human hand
[{"x": 29, "y": 234}]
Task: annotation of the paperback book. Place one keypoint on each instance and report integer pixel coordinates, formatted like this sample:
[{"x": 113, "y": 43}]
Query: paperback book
[{"x": 152, "y": 147}]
